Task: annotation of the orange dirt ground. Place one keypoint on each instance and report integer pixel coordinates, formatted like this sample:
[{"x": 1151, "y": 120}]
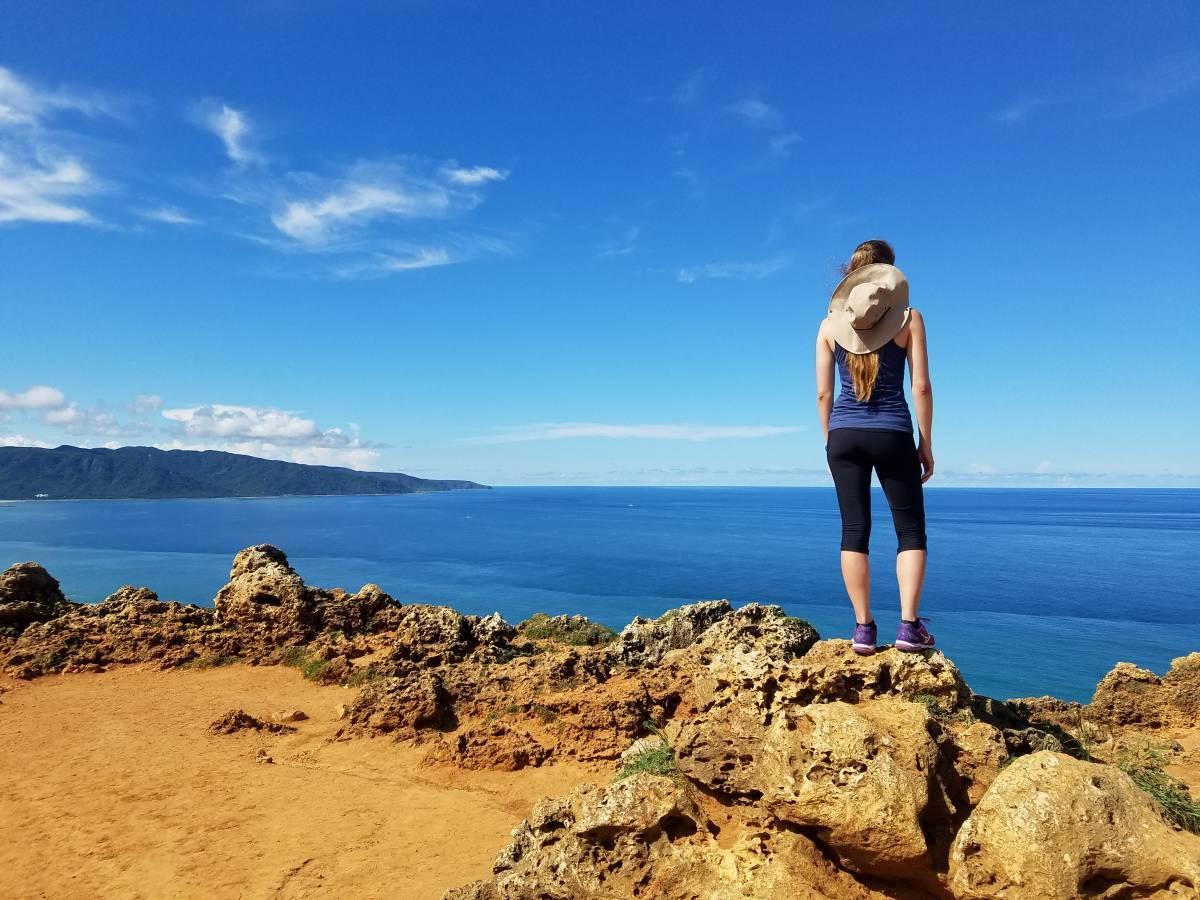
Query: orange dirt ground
[{"x": 111, "y": 786}]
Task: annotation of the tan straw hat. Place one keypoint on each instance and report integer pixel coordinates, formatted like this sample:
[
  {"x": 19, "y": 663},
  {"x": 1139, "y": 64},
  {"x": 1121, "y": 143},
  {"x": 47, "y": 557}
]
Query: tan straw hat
[{"x": 869, "y": 307}]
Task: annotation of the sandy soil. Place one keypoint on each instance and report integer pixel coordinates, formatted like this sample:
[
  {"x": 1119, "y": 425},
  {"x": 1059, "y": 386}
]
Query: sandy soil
[{"x": 111, "y": 786}]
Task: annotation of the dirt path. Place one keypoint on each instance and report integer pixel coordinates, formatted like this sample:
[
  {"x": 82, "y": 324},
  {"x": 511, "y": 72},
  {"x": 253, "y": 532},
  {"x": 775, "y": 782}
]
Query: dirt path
[{"x": 111, "y": 786}]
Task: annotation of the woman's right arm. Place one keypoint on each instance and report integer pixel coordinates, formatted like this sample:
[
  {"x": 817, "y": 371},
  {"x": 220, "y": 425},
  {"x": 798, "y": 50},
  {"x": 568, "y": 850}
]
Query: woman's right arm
[
  {"x": 922, "y": 392},
  {"x": 825, "y": 366}
]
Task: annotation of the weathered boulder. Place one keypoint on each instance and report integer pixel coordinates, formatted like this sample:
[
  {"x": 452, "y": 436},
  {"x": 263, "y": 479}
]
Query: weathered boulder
[
  {"x": 28, "y": 594},
  {"x": 401, "y": 706},
  {"x": 353, "y": 613},
  {"x": 867, "y": 778},
  {"x": 266, "y": 601},
  {"x": 646, "y": 836},
  {"x": 1130, "y": 696},
  {"x": 830, "y": 672},
  {"x": 644, "y": 641},
  {"x": 756, "y": 630},
  {"x": 979, "y": 752},
  {"x": 1053, "y": 827},
  {"x": 438, "y": 635},
  {"x": 493, "y": 745}
]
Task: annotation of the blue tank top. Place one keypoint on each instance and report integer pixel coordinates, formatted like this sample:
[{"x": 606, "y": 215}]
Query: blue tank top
[{"x": 887, "y": 410}]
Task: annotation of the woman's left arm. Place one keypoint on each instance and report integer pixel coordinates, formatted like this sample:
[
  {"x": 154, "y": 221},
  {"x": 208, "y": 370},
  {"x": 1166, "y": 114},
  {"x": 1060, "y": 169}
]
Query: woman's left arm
[
  {"x": 922, "y": 391},
  {"x": 825, "y": 366}
]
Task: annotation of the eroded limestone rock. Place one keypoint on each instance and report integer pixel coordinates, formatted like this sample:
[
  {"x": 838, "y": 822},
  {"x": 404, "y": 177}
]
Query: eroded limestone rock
[
  {"x": 28, "y": 594},
  {"x": 1053, "y": 827}
]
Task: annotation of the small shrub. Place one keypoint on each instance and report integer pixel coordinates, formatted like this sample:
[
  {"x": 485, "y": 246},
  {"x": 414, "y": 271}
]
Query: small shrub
[
  {"x": 511, "y": 709},
  {"x": 545, "y": 713},
  {"x": 1145, "y": 766},
  {"x": 578, "y": 632}
]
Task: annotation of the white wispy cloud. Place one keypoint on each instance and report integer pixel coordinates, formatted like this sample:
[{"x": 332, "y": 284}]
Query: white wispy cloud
[
  {"x": 92, "y": 421},
  {"x": 756, "y": 112},
  {"x": 228, "y": 421},
  {"x": 357, "y": 203},
  {"x": 268, "y": 432},
  {"x": 145, "y": 403},
  {"x": 781, "y": 144},
  {"x": 551, "y": 431},
  {"x": 689, "y": 91},
  {"x": 739, "y": 270},
  {"x": 42, "y": 178},
  {"x": 474, "y": 176},
  {"x": 1161, "y": 82},
  {"x": 233, "y": 128},
  {"x": 39, "y": 396},
  {"x": 168, "y": 214},
  {"x": 20, "y": 440},
  {"x": 1020, "y": 110},
  {"x": 376, "y": 265},
  {"x": 373, "y": 193},
  {"x": 623, "y": 245}
]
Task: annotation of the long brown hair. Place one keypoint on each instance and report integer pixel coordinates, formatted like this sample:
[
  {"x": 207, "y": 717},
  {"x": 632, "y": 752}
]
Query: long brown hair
[{"x": 864, "y": 367}]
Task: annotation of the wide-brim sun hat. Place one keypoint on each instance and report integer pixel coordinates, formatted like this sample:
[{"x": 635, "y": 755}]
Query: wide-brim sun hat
[{"x": 869, "y": 308}]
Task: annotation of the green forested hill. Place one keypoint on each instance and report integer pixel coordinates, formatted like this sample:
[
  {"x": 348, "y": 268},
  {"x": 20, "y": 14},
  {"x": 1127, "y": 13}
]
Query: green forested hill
[{"x": 77, "y": 473}]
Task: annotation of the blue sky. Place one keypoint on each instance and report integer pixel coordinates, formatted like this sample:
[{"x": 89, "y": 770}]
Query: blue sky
[{"x": 551, "y": 243}]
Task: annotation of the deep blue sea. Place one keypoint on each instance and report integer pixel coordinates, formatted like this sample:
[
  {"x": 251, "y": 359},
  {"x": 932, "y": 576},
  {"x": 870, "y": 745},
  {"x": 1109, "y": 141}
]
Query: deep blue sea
[{"x": 1029, "y": 591}]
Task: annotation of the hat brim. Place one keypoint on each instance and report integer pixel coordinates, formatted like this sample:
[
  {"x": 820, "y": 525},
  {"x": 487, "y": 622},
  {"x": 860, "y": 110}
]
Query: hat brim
[
  {"x": 890, "y": 324},
  {"x": 869, "y": 340}
]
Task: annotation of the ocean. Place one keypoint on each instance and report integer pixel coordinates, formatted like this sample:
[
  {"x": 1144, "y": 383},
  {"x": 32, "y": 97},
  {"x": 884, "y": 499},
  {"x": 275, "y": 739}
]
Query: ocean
[{"x": 1029, "y": 591}]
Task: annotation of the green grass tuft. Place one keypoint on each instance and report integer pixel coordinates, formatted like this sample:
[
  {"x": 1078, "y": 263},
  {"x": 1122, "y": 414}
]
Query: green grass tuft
[
  {"x": 541, "y": 627},
  {"x": 299, "y": 658},
  {"x": 1145, "y": 766},
  {"x": 659, "y": 760}
]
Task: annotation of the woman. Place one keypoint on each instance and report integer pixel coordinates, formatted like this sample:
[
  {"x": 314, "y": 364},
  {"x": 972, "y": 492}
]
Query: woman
[{"x": 869, "y": 333}]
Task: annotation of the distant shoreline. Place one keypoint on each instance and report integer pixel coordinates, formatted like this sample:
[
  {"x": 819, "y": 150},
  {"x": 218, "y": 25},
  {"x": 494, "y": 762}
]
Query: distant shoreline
[
  {"x": 232, "y": 497},
  {"x": 607, "y": 487}
]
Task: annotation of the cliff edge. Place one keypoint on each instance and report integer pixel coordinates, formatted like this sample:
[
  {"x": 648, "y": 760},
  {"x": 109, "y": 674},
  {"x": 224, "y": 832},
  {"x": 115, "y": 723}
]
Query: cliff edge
[{"x": 740, "y": 756}]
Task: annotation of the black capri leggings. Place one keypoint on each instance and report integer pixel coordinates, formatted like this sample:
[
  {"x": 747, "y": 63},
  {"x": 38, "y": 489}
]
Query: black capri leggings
[{"x": 853, "y": 453}]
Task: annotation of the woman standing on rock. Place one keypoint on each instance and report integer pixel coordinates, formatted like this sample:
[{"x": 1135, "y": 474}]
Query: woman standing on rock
[{"x": 868, "y": 335}]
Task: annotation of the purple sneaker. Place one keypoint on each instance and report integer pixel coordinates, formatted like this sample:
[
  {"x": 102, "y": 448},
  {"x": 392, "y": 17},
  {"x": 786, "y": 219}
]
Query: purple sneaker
[
  {"x": 863, "y": 642},
  {"x": 911, "y": 638}
]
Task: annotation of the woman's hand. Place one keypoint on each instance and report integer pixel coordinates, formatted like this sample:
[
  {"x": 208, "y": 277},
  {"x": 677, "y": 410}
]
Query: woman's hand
[{"x": 925, "y": 455}]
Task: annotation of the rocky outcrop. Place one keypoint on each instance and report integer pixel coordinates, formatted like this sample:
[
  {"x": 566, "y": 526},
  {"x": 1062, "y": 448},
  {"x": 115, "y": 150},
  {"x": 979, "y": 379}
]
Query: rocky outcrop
[
  {"x": 402, "y": 706},
  {"x": 28, "y": 594},
  {"x": 1130, "y": 696},
  {"x": 130, "y": 626},
  {"x": 751, "y": 759},
  {"x": 266, "y": 602},
  {"x": 645, "y": 641},
  {"x": 492, "y": 745},
  {"x": 1054, "y": 827},
  {"x": 647, "y": 836}
]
